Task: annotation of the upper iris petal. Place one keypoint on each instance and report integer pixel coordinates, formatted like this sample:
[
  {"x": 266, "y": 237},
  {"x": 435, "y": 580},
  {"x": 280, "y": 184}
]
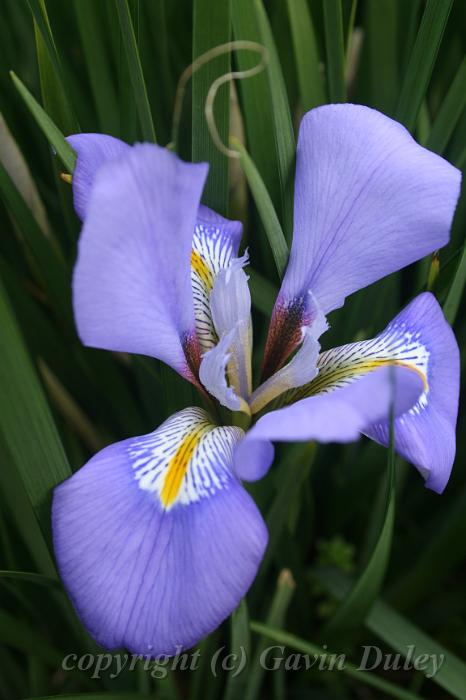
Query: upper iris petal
[{"x": 369, "y": 200}]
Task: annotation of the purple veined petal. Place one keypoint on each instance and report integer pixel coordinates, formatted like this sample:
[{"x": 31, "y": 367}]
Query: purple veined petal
[
  {"x": 301, "y": 369},
  {"x": 132, "y": 288},
  {"x": 93, "y": 151},
  {"x": 215, "y": 245},
  {"x": 215, "y": 239},
  {"x": 156, "y": 540},
  {"x": 420, "y": 339},
  {"x": 337, "y": 416},
  {"x": 369, "y": 200}
]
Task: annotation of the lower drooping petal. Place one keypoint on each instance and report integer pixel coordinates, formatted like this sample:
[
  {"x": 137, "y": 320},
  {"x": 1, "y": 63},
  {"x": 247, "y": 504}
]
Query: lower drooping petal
[
  {"x": 418, "y": 338},
  {"x": 425, "y": 435},
  {"x": 337, "y": 416},
  {"x": 131, "y": 287},
  {"x": 155, "y": 539}
]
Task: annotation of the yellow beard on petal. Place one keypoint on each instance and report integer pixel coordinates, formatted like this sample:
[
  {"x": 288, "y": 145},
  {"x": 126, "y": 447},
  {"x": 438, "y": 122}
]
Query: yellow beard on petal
[
  {"x": 202, "y": 269},
  {"x": 178, "y": 466}
]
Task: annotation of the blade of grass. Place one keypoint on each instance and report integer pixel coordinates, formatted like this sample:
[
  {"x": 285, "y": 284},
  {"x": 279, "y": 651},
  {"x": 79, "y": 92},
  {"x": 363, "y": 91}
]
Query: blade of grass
[
  {"x": 135, "y": 71},
  {"x": 39, "y": 459},
  {"x": 91, "y": 696},
  {"x": 270, "y": 140},
  {"x": 422, "y": 59},
  {"x": 240, "y": 648},
  {"x": 31, "y": 577},
  {"x": 263, "y": 292},
  {"x": 48, "y": 266},
  {"x": 441, "y": 553},
  {"x": 294, "y": 471},
  {"x": 366, "y": 589},
  {"x": 306, "y": 54},
  {"x": 283, "y": 127},
  {"x": 402, "y": 635},
  {"x": 335, "y": 50},
  {"x": 265, "y": 208},
  {"x": 381, "y": 27},
  {"x": 98, "y": 65},
  {"x": 453, "y": 300},
  {"x": 275, "y": 619},
  {"x": 53, "y": 82},
  {"x": 316, "y": 652},
  {"x": 449, "y": 112},
  {"x": 211, "y": 28},
  {"x": 50, "y": 130}
]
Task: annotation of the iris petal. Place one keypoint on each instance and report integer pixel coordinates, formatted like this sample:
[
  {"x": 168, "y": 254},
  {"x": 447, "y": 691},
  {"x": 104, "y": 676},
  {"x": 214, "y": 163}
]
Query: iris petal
[
  {"x": 156, "y": 540},
  {"x": 230, "y": 304},
  {"x": 369, "y": 200},
  {"x": 93, "y": 151},
  {"x": 132, "y": 289},
  {"x": 425, "y": 435},
  {"x": 215, "y": 245},
  {"x": 337, "y": 416},
  {"x": 420, "y": 339}
]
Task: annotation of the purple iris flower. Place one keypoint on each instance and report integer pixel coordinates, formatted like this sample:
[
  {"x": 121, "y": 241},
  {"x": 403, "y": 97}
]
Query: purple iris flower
[{"x": 156, "y": 539}]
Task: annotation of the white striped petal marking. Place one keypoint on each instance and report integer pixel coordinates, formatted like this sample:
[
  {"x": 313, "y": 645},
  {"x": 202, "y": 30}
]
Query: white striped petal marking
[
  {"x": 212, "y": 251},
  {"x": 186, "y": 459},
  {"x": 397, "y": 345}
]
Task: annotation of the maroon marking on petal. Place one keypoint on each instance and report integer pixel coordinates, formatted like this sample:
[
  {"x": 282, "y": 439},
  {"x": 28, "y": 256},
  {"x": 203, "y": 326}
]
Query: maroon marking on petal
[
  {"x": 284, "y": 334},
  {"x": 192, "y": 351}
]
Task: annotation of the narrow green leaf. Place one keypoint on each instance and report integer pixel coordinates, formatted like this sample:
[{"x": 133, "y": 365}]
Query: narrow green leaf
[
  {"x": 240, "y": 648},
  {"x": 381, "y": 41},
  {"x": 92, "y": 36},
  {"x": 316, "y": 652},
  {"x": 421, "y": 62},
  {"x": 31, "y": 577},
  {"x": 39, "y": 459},
  {"x": 135, "y": 71},
  {"x": 211, "y": 28},
  {"x": 306, "y": 54},
  {"x": 53, "y": 81},
  {"x": 283, "y": 126},
  {"x": 356, "y": 605},
  {"x": 275, "y": 619},
  {"x": 453, "y": 300},
  {"x": 406, "y": 638},
  {"x": 23, "y": 637},
  {"x": 50, "y": 130},
  {"x": 442, "y": 551},
  {"x": 271, "y": 139},
  {"x": 449, "y": 112},
  {"x": 294, "y": 471},
  {"x": 335, "y": 49},
  {"x": 48, "y": 266},
  {"x": 265, "y": 208},
  {"x": 263, "y": 292},
  {"x": 91, "y": 696},
  {"x": 18, "y": 169}
]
